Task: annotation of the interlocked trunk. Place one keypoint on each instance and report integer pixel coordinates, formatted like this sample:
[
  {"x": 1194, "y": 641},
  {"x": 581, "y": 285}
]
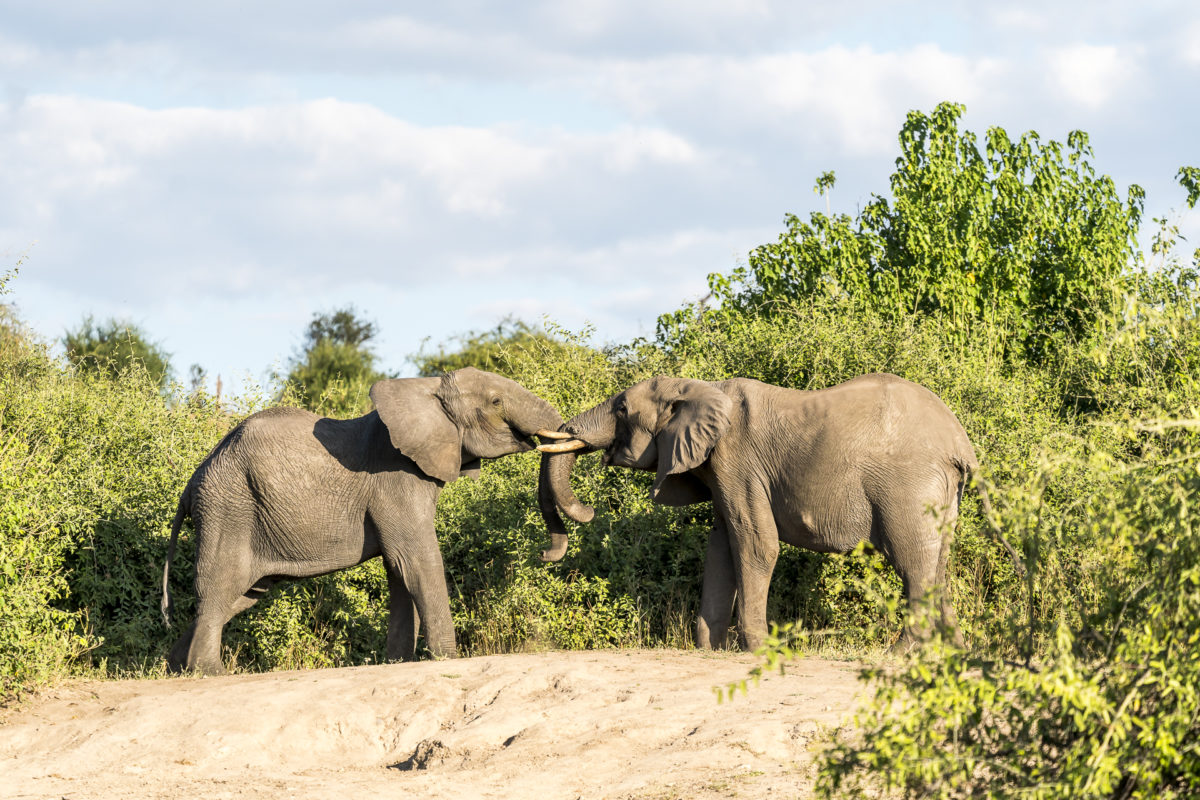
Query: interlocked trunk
[{"x": 596, "y": 428}]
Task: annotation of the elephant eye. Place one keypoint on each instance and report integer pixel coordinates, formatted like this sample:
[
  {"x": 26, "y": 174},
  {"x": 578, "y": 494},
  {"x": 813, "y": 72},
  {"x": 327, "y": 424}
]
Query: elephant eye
[{"x": 495, "y": 401}]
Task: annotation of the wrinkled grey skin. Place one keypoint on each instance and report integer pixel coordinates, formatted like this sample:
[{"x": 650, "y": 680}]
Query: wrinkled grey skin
[
  {"x": 288, "y": 494},
  {"x": 875, "y": 458}
]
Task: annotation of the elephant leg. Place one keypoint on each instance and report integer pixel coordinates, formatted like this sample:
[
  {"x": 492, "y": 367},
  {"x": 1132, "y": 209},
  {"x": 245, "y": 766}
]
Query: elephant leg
[
  {"x": 410, "y": 550},
  {"x": 204, "y": 648},
  {"x": 216, "y": 605},
  {"x": 177, "y": 658},
  {"x": 754, "y": 548},
  {"x": 720, "y": 588},
  {"x": 942, "y": 585},
  {"x": 403, "y": 620},
  {"x": 912, "y": 542}
]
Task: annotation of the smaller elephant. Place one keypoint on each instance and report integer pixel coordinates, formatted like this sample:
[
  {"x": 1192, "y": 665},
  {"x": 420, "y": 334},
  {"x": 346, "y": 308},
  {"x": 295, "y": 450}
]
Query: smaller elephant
[
  {"x": 876, "y": 459},
  {"x": 288, "y": 494}
]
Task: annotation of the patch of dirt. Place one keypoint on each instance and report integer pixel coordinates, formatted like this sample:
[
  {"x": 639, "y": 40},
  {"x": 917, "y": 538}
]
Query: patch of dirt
[{"x": 599, "y": 724}]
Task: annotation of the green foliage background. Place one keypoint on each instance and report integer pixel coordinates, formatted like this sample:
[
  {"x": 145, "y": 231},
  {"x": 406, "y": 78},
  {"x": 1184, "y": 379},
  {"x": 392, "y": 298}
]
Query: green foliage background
[
  {"x": 108, "y": 347},
  {"x": 336, "y": 366},
  {"x": 1004, "y": 273}
]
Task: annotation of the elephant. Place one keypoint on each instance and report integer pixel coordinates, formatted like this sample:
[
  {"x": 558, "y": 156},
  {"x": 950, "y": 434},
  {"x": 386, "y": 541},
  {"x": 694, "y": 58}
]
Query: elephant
[
  {"x": 876, "y": 459},
  {"x": 288, "y": 494}
]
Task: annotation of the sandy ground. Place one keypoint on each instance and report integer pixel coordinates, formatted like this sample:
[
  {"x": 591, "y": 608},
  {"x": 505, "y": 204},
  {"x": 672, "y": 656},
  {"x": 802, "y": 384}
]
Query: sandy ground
[{"x": 607, "y": 724}]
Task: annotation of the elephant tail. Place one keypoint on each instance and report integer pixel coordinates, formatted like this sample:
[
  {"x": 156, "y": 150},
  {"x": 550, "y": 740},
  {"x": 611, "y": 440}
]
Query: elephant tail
[
  {"x": 971, "y": 477},
  {"x": 184, "y": 510}
]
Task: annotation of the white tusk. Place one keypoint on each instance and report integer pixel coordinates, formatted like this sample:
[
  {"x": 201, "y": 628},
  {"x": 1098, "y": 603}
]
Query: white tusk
[
  {"x": 545, "y": 434},
  {"x": 562, "y": 447}
]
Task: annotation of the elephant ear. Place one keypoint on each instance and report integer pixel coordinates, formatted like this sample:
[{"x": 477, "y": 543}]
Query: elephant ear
[
  {"x": 419, "y": 426},
  {"x": 698, "y": 415}
]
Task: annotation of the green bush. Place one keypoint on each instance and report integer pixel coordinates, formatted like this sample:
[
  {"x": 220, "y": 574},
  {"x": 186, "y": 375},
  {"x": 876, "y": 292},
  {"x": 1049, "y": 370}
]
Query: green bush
[
  {"x": 91, "y": 468},
  {"x": 333, "y": 373},
  {"x": 1016, "y": 233},
  {"x": 107, "y": 348},
  {"x": 1109, "y": 706}
]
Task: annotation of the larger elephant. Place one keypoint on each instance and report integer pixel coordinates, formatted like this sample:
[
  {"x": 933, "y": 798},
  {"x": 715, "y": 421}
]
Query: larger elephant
[
  {"x": 876, "y": 458},
  {"x": 288, "y": 494}
]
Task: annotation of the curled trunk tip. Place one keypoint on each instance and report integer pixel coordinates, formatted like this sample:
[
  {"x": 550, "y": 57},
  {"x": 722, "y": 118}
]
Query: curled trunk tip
[
  {"x": 579, "y": 512},
  {"x": 558, "y": 547}
]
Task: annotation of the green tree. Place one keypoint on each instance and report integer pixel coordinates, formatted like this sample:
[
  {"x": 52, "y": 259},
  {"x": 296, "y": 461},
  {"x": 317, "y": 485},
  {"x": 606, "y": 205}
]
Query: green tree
[
  {"x": 1015, "y": 231},
  {"x": 334, "y": 372},
  {"x": 111, "y": 347},
  {"x": 487, "y": 350}
]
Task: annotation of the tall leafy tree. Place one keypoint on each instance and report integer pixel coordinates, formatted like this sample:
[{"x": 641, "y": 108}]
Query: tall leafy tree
[
  {"x": 1013, "y": 230},
  {"x": 334, "y": 371},
  {"x": 112, "y": 346}
]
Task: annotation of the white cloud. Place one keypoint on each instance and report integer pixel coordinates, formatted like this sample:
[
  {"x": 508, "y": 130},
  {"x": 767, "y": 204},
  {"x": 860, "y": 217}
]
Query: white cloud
[
  {"x": 1189, "y": 43},
  {"x": 1092, "y": 75},
  {"x": 302, "y": 197},
  {"x": 846, "y": 99}
]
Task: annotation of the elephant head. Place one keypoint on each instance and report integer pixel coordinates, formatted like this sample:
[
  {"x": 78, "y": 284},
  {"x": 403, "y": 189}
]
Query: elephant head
[
  {"x": 447, "y": 424},
  {"x": 665, "y": 425}
]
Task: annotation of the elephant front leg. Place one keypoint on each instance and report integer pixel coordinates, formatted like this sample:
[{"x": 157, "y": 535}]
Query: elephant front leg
[
  {"x": 754, "y": 549},
  {"x": 412, "y": 559},
  {"x": 716, "y": 598},
  {"x": 403, "y": 619}
]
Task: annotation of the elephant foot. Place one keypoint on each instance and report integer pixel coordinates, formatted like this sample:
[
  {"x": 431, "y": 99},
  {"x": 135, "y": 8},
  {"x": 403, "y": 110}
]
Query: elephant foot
[
  {"x": 750, "y": 642},
  {"x": 711, "y": 638},
  {"x": 178, "y": 656}
]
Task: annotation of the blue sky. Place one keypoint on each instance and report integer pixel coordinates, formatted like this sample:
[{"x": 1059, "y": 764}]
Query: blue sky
[{"x": 218, "y": 173}]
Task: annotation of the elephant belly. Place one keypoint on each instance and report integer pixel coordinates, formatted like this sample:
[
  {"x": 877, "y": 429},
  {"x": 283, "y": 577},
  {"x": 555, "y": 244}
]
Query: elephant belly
[
  {"x": 306, "y": 529},
  {"x": 311, "y": 546},
  {"x": 835, "y": 525}
]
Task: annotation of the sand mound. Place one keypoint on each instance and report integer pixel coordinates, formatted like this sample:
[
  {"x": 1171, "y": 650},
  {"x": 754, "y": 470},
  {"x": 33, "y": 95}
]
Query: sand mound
[{"x": 564, "y": 724}]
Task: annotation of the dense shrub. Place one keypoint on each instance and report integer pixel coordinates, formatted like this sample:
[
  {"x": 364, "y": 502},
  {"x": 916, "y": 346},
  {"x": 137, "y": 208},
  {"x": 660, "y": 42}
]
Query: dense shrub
[
  {"x": 333, "y": 372},
  {"x": 91, "y": 464},
  {"x": 107, "y": 348},
  {"x": 1109, "y": 707}
]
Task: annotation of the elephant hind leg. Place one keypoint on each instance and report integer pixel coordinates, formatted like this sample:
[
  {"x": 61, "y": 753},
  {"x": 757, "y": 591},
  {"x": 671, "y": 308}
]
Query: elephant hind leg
[
  {"x": 203, "y": 648},
  {"x": 917, "y": 544},
  {"x": 178, "y": 657},
  {"x": 944, "y": 595}
]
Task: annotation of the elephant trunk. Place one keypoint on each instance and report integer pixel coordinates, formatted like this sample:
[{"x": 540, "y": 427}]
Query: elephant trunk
[
  {"x": 554, "y": 523},
  {"x": 592, "y": 430},
  {"x": 535, "y": 416}
]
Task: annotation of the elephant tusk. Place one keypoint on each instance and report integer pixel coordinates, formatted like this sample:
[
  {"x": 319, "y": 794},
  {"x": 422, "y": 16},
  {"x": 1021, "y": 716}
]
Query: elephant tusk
[
  {"x": 548, "y": 434},
  {"x": 562, "y": 447}
]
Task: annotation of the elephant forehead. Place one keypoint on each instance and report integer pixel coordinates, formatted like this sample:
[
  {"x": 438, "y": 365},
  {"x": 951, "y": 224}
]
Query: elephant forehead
[
  {"x": 470, "y": 380},
  {"x": 643, "y": 403},
  {"x": 645, "y": 394}
]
